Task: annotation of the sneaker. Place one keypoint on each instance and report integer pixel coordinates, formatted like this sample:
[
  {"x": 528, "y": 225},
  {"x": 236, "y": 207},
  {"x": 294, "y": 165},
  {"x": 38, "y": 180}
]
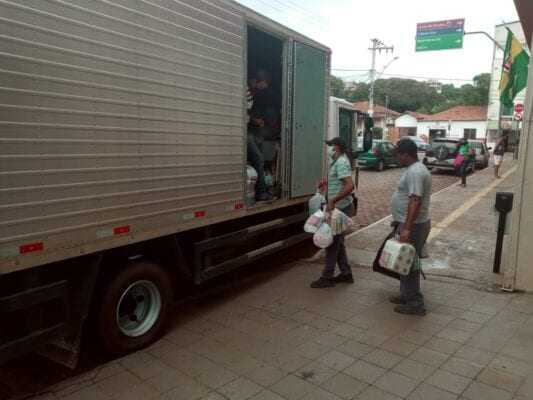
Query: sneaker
[
  {"x": 343, "y": 278},
  {"x": 397, "y": 299},
  {"x": 265, "y": 198},
  {"x": 405, "y": 309},
  {"x": 322, "y": 283}
]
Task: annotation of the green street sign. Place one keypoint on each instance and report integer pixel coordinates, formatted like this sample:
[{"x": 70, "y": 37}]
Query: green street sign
[
  {"x": 439, "y": 42},
  {"x": 440, "y": 35}
]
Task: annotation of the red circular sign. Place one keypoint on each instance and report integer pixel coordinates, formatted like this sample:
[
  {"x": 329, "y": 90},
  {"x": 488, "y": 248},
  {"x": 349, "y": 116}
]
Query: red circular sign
[{"x": 519, "y": 107}]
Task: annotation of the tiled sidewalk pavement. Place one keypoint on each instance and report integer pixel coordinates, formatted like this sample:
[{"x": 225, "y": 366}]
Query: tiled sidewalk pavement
[
  {"x": 281, "y": 340},
  {"x": 277, "y": 339}
]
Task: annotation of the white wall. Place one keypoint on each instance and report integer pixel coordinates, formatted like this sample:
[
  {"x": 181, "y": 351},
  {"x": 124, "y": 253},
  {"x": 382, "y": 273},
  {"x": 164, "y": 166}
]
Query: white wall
[
  {"x": 406, "y": 121},
  {"x": 518, "y": 273},
  {"x": 456, "y": 127}
]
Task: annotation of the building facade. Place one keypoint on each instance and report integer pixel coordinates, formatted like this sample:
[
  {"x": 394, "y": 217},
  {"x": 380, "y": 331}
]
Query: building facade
[
  {"x": 507, "y": 114},
  {"x": 460, "y": 121}
]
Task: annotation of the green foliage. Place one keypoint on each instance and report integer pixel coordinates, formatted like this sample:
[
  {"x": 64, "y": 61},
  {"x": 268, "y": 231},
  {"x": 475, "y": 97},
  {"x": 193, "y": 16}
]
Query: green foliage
[
  {"x": 336, "y": 87},
  {"x": 411, "y": 95}
]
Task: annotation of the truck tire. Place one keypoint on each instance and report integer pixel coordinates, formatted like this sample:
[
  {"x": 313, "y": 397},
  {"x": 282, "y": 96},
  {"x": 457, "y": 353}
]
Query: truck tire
[{"x": 134, "y": 307}]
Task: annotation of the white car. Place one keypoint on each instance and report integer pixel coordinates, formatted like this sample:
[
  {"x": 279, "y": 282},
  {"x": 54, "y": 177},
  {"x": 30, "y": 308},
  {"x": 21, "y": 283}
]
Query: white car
[{"x": 421, "y": 145}]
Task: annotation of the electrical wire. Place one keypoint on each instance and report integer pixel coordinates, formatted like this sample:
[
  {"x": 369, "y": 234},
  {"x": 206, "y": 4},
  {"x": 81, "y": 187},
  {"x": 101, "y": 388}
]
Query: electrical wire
[
  {"x": 268, "y": 5},
  {"x": 311, "y": 14},
  {"x": 402, "y": 76}
]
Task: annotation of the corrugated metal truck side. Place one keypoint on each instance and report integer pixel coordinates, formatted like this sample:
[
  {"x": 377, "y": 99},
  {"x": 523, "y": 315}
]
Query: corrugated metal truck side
[{"x": 123, "y": 158}]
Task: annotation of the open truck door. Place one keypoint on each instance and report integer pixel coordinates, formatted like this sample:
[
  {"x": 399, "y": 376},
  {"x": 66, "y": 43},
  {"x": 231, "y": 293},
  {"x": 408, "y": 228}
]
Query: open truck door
[{"x": 309, "y": 118}]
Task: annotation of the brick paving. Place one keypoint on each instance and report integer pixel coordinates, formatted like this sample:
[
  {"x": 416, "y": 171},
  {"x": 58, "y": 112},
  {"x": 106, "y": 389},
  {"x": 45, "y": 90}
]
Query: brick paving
[
  {"x": 274, "y": 338},
  {"x": 376, "y": 189}
]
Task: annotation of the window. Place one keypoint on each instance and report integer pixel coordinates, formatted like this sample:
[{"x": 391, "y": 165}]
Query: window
[
  {"x": 469, "y": 133},
  {"x": 346, "y": 126}
]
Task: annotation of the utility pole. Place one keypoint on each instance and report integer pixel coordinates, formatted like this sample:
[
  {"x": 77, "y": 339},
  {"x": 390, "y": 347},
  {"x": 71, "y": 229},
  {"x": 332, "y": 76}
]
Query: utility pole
[
  {"x": 385, "y": 129},
  {"x": 376, "y": 45}
]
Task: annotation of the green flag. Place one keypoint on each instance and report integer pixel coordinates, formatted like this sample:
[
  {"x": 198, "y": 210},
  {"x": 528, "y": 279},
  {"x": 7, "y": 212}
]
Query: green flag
[{"x": 514, "y": 70}]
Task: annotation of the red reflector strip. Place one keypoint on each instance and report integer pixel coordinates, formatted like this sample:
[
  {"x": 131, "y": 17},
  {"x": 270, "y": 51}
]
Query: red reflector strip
[
  {"x": 29, "y": 248},
  {"x": 239, "y": 206},
  {"x": 198, "y": 214},
  {"x": 121, "y": 229}
]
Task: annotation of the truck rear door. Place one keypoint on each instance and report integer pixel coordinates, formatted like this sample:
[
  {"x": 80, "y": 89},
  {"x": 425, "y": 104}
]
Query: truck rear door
[{"x": 309, "y": 104}]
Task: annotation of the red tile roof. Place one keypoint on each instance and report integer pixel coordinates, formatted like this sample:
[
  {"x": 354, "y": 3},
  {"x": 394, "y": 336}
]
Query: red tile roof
[
  {"x": 379, "y": 110},
  {"x": 417, "y": 115},
  {"x": 460, "y": 113}
]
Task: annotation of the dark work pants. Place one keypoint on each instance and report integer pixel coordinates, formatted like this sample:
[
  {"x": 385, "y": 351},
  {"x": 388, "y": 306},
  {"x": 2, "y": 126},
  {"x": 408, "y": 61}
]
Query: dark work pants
[
  {"x": 256, "y": 160},
  {"x": 410, "y": 284},
  {"x": 336, "y": 253},
  {"x": 462, "y": 169}
]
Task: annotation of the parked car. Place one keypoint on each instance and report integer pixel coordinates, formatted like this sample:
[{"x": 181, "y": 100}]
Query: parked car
[
  {"x": 482, "y": 153},
  {"x": 421, "y": 145},
  {"x": 381, "y": 154},
  {"x": 441, "y": 154}
]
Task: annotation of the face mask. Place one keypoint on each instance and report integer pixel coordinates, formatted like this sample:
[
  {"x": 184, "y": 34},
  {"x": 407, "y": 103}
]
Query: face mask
[{"x": 330, "y": 151}]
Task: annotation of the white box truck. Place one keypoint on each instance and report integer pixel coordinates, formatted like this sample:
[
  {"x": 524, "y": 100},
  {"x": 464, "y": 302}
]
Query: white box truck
[{"x": 123, "y": 131}]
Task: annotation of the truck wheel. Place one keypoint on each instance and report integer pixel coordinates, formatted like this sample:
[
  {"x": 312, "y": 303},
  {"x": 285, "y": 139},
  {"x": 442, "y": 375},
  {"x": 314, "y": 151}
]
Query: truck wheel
[
  {"x": 134, "y": 307},
  {"x": 380, "y": 165}
]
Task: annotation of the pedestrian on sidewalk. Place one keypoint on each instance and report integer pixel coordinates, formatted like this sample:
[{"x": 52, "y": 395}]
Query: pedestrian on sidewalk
[
  {"x": 410, "y": 212},
  {"x": 338, "y": 187},
  {"x": 499, "y": 151},
  {"x": 468, "y": 153}
]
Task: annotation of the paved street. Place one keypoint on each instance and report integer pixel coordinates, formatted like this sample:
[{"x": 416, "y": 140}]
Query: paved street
[
  {"x": 376, "y": 188},
  {"x": 33, "y": 373}
]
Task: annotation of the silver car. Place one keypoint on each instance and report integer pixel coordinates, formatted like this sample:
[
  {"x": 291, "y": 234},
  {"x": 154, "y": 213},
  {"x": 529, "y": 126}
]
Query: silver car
[
  {"x": 421, "y": 145},
  {"x": 441, "y": 154},
  {"x": 482, "y": 153}
]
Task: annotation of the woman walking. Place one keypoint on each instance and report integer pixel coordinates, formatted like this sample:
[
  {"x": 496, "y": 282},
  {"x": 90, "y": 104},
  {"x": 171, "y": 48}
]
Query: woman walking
[{"x": 468, "y": 154}]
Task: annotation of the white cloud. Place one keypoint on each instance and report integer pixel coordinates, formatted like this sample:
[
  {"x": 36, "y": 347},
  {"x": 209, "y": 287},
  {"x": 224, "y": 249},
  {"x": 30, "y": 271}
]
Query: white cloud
[{"x": 348, "y": 25}]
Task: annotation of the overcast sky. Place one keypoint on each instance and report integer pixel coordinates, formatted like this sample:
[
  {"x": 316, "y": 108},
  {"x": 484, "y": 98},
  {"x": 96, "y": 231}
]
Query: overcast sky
[{"x": 347, "y": 26}]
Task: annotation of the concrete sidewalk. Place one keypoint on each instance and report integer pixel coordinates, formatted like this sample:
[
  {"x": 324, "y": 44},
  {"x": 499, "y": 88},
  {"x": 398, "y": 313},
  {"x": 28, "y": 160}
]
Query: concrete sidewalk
[{"x": 279, "y": 339}]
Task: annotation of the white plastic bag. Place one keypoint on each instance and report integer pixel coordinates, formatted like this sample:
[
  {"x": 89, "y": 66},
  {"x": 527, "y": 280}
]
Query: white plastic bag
[
  {"x": 340, "y": 222},
  {"x": 315, "y": 202},
  {"x": 314, "y": 221},
  {"x": 323, "y": 237}
]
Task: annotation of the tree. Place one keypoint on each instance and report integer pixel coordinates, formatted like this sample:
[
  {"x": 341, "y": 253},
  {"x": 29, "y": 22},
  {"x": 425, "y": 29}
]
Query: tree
[
  {"x": 336, "y": 86},
  {"x": 411, "y": 95},
  {"x": 405, "y": 94},
  {"x": 468, "y": 95},
  {"x": 482, "y": 84}
]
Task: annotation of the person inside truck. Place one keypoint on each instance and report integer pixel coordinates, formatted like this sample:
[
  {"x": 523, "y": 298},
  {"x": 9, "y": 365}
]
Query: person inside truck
[{"x": 260, "y": 119}]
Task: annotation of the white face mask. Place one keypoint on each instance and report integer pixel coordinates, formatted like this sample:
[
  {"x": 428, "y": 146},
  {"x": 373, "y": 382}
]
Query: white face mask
[{"x": 330, "y": 151}]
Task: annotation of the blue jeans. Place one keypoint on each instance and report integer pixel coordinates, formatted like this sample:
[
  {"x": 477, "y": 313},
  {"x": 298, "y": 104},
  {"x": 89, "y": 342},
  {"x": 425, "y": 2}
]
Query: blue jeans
[
  {"x": 256, "y": 160},
  {"x": 336, "y": 253},
  {"x": 410, "y": 284}
]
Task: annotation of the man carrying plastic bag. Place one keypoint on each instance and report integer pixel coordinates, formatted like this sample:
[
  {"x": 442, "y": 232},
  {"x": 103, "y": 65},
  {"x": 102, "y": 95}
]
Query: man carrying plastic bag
[{"x": 338, "y": 187}]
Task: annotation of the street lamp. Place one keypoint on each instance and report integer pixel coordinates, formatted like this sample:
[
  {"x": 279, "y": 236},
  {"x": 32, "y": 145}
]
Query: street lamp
[
  {"x": 386, "y": 66},
  {"x": 373, "y": 77}
]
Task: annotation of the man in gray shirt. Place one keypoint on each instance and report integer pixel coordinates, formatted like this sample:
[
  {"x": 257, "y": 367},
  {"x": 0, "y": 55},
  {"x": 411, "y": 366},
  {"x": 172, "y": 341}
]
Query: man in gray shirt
[{"x": 410, "y": 210}]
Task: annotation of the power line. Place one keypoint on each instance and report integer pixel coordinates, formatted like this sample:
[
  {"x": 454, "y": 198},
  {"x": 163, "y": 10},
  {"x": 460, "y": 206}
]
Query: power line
[
  {"x": 404, "y": 76},
  {"x": 297, "y": 7},
  {"x": 349, "y": 70},
  {"x": 428, "y": 78},
  {"x": 270, "y": 6}
]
